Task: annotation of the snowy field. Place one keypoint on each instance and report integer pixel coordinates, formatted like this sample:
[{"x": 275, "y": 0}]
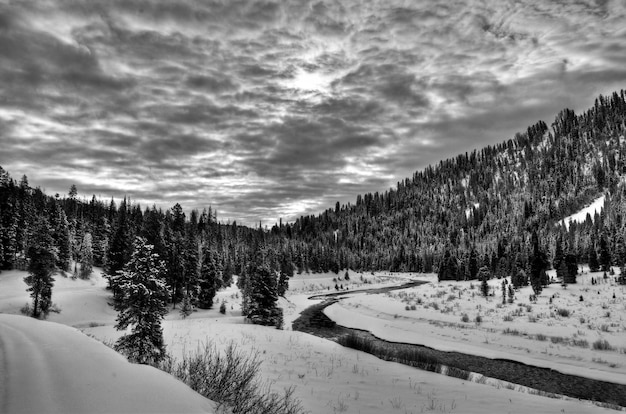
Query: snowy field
[
  {"x": 557, "y": 331},
  {"x": 328, "y": 378}
]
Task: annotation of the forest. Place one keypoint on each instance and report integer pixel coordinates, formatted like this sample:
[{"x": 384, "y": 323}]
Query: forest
[{"x": 498, "y": 209}]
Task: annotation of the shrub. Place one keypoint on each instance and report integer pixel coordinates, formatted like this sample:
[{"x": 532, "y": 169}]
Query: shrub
[
  {"x": 508, "y": 318},
  {"x": 25, "y": 310},
  {"x": 223, "y": 308},
  {"x": 580, "y": 343},
  {"x": 231, "y": 380},
  {"x": 478, "y": 319},
  {"x": 413, "y": 307},
  {"x": 563, "y": 313},
  {"x": 602, "y": 345},
  {"x": 541, "y": 337},
  {"x": 557, "y": 339},
  {"x": 509, "y": 331},
  {"x": 465, "y": 318}
]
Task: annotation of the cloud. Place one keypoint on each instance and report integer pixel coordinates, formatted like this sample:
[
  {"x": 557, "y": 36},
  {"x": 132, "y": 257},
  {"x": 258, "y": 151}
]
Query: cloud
[{"x": 268, "y": 109}]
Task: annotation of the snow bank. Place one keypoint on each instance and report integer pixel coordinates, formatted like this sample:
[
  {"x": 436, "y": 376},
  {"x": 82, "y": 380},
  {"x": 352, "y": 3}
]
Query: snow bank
[{"x": 52, "y": 368}]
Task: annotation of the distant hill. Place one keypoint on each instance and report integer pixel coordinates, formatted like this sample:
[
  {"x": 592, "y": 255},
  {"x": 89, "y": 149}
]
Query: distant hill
[{"x": 487, "y": 202}]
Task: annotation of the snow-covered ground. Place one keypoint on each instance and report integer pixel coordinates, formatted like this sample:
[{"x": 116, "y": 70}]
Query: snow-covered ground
[
  {"x": 47, "y": 367},
  {"x": 328, "y": 377},
  {"x": 579, "y": 217},
  {"x": 537, "y": 333}
]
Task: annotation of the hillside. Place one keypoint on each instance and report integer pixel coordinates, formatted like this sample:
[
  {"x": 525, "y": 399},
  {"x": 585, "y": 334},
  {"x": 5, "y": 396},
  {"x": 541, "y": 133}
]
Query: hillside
[{"x": 483, "y": 206}]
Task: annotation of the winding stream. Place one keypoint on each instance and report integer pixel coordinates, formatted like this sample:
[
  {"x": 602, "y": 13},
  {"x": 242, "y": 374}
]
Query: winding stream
[{"x": 313, "y": 320}]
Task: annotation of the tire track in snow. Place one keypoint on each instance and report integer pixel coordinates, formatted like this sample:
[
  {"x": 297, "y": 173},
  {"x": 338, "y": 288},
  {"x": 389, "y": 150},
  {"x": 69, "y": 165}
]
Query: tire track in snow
[{"x": 28, "y": 371}]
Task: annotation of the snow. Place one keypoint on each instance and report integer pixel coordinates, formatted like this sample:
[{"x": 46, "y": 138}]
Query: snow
[
  {"x": 328, "y": 377},
  {"x": 436, "y": 322},
  {"x": 51, "y": 368},
  {"x": 579, "y": 217}
]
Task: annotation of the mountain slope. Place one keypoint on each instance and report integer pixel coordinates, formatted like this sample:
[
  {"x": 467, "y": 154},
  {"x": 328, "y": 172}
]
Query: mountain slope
[{"x": 486, "y": 202}]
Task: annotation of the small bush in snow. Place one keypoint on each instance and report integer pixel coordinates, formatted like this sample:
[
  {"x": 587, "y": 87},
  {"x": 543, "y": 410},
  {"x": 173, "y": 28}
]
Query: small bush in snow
[
  {"x": 25, "y": 310},
  {"x": 565, "y": 313},
  {"x": 602, "y": 345},
  {"x": 465, "y": 318},
  {"x": 223, "y": 308}
]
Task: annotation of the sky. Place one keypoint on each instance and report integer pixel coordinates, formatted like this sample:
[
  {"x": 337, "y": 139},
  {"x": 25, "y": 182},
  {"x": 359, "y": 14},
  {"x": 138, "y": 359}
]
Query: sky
[{"x": 274, "y": 109}]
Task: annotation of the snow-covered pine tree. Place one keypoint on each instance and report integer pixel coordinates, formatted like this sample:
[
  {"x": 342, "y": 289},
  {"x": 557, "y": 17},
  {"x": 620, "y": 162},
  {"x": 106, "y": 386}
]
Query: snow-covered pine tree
[
  {"x": 42, "y": 255},
  {"x": 86, "y": 257},
  {"x": 142, "y": 305},
  {"x": 262, "y": 292}
]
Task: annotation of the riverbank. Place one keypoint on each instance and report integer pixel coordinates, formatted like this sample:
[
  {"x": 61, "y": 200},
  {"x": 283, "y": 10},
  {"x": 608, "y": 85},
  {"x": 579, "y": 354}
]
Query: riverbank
[{"x": 548, "y": 381}]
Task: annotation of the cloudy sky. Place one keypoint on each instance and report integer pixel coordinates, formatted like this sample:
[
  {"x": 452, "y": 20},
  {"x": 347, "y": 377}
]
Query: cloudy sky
[{"x": 268, "y": 109}]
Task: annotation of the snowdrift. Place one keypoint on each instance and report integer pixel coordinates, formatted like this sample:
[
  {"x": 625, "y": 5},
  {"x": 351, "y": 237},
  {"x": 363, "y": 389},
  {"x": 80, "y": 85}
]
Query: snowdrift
[{"x": 46, "y": 367}]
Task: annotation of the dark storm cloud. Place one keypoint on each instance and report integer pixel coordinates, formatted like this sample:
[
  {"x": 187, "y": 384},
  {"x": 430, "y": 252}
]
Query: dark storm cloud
[{"x": 266, "y": 109}]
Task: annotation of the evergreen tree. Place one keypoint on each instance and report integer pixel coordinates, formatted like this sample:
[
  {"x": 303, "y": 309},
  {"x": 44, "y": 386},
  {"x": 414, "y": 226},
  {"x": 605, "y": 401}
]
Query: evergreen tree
[
  {"x": 42, "y": 262},
  {"x": 191, "y": 270},
  {"x": 286, "y": 272},
  {"x": 572, "y": 268},
  {"x": 558, "y": 254},
  {"x": 484, "y": 274},
  {"x": 86, "y": 257},
  {"x": 262, "y": 292},
  {"x": 210, "y": 279},
  {"x": 142, "y": 305},
  {"x": 605, "y": 255},
  {"x": 473, "y": 264},
  {"x": 538, "y": 266},
  {"x": 594, "y": 265},
  {"x": 120, "y": 247},
  {"x": 519, "y": 279},
  {"x": 61, "y": 234}
]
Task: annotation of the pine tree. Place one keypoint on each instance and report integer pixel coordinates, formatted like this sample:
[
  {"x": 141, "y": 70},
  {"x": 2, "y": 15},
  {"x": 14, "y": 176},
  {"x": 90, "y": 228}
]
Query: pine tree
[
  {"x": 572, "y": 268},
  {"x": 42, "y": 263},
  {"x": 262, "y": 293},
  {"x": 86, "y": 257},
  {"x": 558, "y": 254},
  {"x": 519, "y": 279},
  {"x": 120, "y": 246},
  {"x": 605, "y": 255},
  {"x": 473, "y": 264},
  {"x": 210, "y": 279},
  {"x": 142, "y": 305},
  {"x": 62, "y": 237},
  {"x": 286, "y": 272},
  {"x": 538, "y": 266},
  {"x": 511, "y": 294},
  {"x": 484, "y": 274},
  {"x": 594, "y": 265}
]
